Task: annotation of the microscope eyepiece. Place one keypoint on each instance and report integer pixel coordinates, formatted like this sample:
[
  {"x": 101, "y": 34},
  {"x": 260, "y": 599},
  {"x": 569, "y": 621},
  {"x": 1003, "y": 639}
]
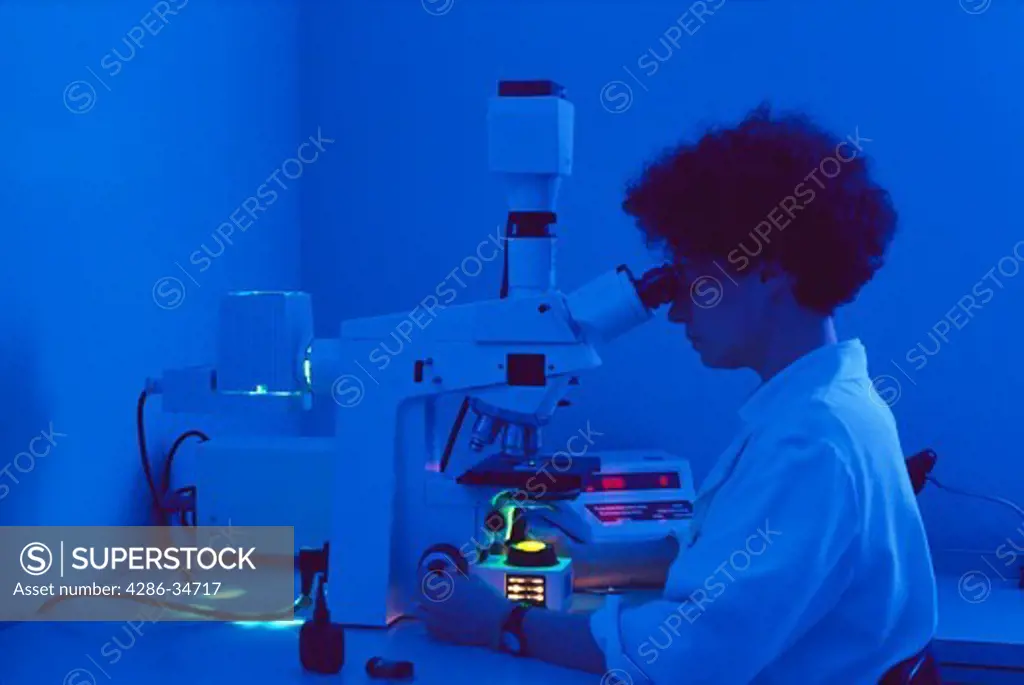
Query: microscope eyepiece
[{"x": 658, "y": 286}]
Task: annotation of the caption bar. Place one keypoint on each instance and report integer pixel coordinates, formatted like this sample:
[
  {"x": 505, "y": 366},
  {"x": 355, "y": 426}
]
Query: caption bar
[{"x": 106, "y": 573}]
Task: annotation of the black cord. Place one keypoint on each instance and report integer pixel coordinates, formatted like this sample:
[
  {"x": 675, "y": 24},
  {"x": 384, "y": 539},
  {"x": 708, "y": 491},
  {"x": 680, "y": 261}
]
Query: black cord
[
  {"x": 159, "y": 496},
  {"x": 166, "y": 481},
  {"x": 140, "y": 429},
  {"x": 193, "y": 508}
]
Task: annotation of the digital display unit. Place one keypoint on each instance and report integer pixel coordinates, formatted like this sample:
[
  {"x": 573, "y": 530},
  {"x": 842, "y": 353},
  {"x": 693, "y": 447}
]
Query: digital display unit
[{"x": 624, "y": 482}]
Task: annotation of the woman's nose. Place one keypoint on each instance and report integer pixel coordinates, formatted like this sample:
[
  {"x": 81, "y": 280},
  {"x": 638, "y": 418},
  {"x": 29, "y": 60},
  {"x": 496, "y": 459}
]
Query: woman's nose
[{"x": 679, "y": 312}]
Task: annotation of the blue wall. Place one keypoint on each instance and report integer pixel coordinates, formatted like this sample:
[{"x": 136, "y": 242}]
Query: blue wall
[
  {"x": 107, "y": 189},
  {"x": 107, "y": 185},
  {"x": 937, "y": 91}
]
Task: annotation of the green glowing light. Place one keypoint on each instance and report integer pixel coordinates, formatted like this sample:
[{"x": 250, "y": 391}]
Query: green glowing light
[
  {"x": 509, "y": 513},
  {"x": 307, "y": 367},
  {"x": 262, "y": 391}
]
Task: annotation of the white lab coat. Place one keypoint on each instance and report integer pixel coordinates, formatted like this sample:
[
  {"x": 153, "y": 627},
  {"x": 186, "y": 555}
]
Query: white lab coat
[{"x": 807, "y": 560}]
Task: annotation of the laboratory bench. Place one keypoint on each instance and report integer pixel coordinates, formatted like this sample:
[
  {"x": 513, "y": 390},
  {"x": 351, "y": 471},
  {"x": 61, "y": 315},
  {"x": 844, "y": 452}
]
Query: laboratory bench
[{"x": 982, "y": 635}]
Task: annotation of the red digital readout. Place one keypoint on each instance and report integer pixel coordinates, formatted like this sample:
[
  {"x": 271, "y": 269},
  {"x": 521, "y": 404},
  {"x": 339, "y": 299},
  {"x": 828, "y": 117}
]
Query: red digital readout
[{"x": 631, "y": 481}]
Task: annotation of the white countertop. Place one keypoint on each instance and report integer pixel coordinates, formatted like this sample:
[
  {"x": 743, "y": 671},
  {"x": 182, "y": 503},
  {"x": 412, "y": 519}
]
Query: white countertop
[{"x": 215, "y": 653}]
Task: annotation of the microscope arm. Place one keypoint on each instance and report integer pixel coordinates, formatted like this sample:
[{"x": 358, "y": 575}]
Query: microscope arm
[{"x": 281, "y": 326}]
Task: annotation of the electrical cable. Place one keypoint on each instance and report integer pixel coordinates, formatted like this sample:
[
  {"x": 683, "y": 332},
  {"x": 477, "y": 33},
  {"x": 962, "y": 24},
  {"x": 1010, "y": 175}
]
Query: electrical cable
[
  {"x": 166, "y": 481},
  {"x": 188, "y": 492},
  {"x": 140, "y": 429},
  {"x": 987, "y": 498},
  {"x": 159, "y": 496}
]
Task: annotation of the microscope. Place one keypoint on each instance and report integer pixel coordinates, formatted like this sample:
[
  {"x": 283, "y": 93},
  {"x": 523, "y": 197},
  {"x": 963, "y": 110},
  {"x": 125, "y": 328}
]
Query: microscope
[
  {"x": 513, "y": 360},
  {"x": 405, "y": 495}
]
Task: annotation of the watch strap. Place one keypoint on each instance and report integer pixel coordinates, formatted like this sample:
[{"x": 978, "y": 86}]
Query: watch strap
[{"x": 514, "y": 625}]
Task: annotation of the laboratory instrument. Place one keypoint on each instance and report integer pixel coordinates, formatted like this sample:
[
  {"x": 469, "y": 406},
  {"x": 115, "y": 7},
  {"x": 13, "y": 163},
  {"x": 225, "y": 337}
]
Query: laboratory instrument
[{"x": 405, "y": 492}]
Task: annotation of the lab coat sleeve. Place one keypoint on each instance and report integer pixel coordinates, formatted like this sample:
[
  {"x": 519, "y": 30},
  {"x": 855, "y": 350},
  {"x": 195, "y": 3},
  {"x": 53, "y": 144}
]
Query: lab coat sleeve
[{"x": 774, "y": 554}]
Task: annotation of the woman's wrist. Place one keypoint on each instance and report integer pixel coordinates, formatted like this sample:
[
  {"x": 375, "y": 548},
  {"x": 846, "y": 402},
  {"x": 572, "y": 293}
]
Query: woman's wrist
[{"x": 502, "y": 619}]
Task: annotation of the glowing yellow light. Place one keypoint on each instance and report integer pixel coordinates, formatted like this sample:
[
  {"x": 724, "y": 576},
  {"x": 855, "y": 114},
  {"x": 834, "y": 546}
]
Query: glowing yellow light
[{"x": 530, "y": 546}]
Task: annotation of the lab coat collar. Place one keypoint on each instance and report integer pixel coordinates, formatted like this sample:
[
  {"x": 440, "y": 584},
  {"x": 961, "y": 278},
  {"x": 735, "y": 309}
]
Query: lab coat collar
[{"x": 814, "y": 370}]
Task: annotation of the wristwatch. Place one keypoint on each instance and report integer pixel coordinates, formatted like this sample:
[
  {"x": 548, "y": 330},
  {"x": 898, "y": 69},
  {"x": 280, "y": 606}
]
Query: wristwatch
[{"x": 512, "y": 638}]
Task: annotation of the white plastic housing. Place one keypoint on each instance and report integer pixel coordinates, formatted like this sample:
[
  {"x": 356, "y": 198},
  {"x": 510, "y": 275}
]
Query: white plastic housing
[
  {"x": 531, "y": 267},
  {"x": 530, "y": 147},
  {"x": 264, "y": 481},
  {"x": 631, "y": 515}
]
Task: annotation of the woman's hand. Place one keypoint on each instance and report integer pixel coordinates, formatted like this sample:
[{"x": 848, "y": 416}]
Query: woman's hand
[{"x": 462, "y": 609}]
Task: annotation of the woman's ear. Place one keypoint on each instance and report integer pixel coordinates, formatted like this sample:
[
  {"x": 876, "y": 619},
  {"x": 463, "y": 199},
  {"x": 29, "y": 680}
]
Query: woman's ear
[{"x": 774, "y": 276}]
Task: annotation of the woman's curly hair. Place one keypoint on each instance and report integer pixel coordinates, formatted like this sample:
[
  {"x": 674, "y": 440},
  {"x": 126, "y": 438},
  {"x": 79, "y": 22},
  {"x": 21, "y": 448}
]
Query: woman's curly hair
[{"x": 776, "y": 189}]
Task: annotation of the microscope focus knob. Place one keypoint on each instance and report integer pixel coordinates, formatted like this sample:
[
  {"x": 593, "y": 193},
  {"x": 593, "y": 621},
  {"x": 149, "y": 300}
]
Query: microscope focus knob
[
  {"x": 444, "y": 557},
  {"x": 437, "y": 570}
]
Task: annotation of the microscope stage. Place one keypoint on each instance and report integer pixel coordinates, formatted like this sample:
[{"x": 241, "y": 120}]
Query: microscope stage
[{"x": 543, "y": 476}]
